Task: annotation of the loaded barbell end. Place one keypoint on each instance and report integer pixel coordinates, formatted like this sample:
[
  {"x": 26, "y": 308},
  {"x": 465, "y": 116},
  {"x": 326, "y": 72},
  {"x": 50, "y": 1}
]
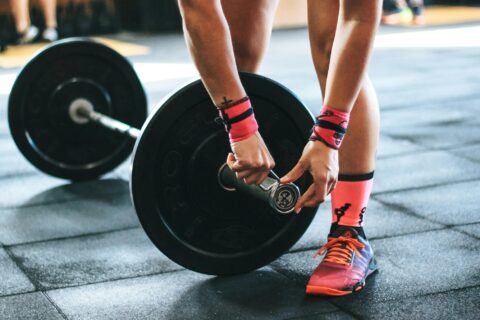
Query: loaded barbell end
[{"x": 281, "y": 197}]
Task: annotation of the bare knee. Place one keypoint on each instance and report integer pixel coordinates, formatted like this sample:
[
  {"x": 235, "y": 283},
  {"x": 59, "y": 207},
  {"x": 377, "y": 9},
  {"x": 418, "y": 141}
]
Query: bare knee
[
  {"x": 250, "y": 43},
  {"x": 322, "y": 44},
  {"x": 194, "y": 11},
  {"x": 248, "y": 56},
  {"x": 187, "y": 6}
]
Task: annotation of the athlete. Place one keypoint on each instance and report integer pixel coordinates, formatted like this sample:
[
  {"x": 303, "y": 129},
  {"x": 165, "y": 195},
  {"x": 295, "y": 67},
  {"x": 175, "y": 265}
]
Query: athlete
[{"x": 227, "y": 36}]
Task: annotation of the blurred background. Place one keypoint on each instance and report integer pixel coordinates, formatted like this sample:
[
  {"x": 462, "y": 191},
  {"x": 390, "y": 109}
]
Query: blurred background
[{"x": 88, "y": 17}]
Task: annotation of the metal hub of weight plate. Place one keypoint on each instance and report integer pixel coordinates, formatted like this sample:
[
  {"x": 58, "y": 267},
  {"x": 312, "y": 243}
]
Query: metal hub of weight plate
[
  {"x": 49, "y": 88},
  {"x": 175, "y": 189}
]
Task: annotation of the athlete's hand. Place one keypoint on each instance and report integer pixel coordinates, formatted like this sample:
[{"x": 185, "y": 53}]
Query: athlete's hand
[
  {"x": 322, "y": 163},
  {"x": 250, "y": 160}
]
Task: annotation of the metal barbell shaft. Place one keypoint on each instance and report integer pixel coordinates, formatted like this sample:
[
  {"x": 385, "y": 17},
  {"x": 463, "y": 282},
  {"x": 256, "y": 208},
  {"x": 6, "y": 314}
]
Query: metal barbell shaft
[
  {"x": 107, "y": 122},
  {"x": 281, "y": 197},
  {"x": 113, "y": 124}
]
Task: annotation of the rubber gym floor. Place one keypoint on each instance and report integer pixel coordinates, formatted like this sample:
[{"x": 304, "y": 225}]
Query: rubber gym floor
[{"x": 76, "y": 251}]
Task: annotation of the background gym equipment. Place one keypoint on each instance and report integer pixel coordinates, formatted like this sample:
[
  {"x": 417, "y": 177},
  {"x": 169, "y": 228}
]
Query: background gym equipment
[
  {"x": 70, "y": 93},
  {"x": 65, "y": 76}
]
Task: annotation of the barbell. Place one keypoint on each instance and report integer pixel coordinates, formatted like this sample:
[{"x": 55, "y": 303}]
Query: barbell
[{"x": 189, "y": 203}]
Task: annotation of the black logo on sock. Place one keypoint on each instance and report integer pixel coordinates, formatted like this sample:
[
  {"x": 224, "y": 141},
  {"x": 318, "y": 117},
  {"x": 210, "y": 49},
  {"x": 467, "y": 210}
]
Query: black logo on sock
[
  {"x": 340, "y": 212},
  {"x": 361, "y": 215}
]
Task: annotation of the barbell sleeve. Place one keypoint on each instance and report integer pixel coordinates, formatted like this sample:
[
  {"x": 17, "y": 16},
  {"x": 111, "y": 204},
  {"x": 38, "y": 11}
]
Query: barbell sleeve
[
  {"x": 113, "y": 124},
  {"x": 281, "y": 197},
  {"x": 108, "y": 122}
]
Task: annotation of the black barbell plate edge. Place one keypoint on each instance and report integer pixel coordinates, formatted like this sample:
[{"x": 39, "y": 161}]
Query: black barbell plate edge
[{"x": 188, "y": 256}]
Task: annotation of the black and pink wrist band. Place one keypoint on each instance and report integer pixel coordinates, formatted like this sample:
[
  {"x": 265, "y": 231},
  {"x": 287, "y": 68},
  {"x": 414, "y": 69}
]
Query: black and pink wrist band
[
  {"x": 239, "y": 120},
  {"x": 330, "y": 127}
]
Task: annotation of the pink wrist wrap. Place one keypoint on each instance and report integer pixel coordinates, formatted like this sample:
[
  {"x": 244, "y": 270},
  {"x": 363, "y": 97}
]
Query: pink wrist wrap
[
  {"x": 239, "y": 120},
  {"x": 330, "y": 127}
]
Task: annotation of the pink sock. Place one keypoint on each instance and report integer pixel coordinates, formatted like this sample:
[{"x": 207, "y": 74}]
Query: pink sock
[{"x": 350, "y": 199}]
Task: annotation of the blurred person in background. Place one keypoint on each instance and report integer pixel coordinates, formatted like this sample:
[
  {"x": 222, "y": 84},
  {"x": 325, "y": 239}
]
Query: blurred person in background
[
  {"x": 27, "y": 33},
  {"x": 403, "y": 11}
]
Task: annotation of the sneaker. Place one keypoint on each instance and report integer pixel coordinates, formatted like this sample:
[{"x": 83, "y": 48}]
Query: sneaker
[
  {"x": 419, "y": 20},
  {"x": 29, "y": 35},
  {"x": 348, "y": 261},
  {"x": 402, "y": 16},
  {"x": 50, "y": 34}
]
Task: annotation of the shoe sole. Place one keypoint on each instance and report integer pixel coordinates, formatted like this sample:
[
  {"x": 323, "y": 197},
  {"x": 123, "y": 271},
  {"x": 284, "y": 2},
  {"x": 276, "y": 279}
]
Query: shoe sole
[{"x": 326, "y": 291}]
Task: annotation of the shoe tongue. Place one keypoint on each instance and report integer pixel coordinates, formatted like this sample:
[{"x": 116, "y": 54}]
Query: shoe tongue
[{"x": 346, "y": 232}]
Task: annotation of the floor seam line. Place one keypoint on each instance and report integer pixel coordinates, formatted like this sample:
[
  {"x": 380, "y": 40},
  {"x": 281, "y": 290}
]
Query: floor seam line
[
  {"x": 59, "y": 310},
  {"x": 442, "y": 184},
  {"x": 21, "y": 267},
  {"x": 406, "y": 210},
  {"x": 62, "y": 201},
  {"x": 112, "y": 280},
  {"x": 85, "y": 235}
]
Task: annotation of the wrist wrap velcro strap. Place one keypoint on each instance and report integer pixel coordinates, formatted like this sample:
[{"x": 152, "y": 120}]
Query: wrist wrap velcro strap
[
  {"x": 330, "y": 127},
  {"x": 239, "y": 120}
]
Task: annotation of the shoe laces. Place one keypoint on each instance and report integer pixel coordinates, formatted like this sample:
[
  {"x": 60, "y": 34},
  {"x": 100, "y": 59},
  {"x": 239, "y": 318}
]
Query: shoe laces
[{"x": 340, "y": 250}]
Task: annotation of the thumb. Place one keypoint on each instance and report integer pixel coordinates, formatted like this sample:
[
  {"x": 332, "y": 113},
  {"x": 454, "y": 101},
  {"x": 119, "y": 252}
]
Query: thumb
[
  {"x": 231, "y": 160},
  {"x": 294, "y": 174}
]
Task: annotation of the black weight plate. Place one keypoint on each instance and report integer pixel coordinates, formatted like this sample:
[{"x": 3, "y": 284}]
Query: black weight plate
[
  {"x": 40, "y": 99},
  {"x": 175, "y": 191}
]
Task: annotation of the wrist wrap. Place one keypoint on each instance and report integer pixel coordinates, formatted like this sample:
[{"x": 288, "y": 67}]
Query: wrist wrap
[
  {"x": 239, "y": 120},
  {"x": 330, "y": 127}
]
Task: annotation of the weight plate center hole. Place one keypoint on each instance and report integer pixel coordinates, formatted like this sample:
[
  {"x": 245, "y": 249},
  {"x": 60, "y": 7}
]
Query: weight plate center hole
[{"x": 79, "y": 111}]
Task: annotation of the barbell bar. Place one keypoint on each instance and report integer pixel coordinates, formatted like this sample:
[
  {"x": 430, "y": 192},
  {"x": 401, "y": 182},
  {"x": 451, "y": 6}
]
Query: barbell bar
[
  {"x": 281, "y": 197},
  {"x": 82, "y": 111}
]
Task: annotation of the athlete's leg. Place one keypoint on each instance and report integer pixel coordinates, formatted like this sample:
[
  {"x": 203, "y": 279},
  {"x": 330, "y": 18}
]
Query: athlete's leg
[
  {"x": 27, "y": 32},
  {"x": 250, "y": 23},
  {"x": 356, "y": 159},
  {"x": 357, "y": 153},
  {"x": 20, "y": 12},
  {"x": 353, "y": 41},
  {"x": 49, "y": 8},
  {"x": 356, "y": 27}
]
